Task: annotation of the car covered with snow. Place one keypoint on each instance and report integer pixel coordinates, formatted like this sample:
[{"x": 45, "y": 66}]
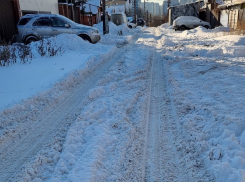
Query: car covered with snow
[
  {"x": 34, "y": 27},
  {"x": 119, "y": 18},
  {"x": 140, "y": 22},
  {"x": 132, "y": 24},
  {"x": 189, "y": 22}
]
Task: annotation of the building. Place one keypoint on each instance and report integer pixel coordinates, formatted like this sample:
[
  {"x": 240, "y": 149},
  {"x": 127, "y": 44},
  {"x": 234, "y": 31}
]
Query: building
[
  {"x": 38, "y": 6},
  {"x": 165, "y": 7},
  {"x": 135, "y": 4},
  {"x": 232, "y": 14},
  {"x": 191, "y": 9},
  {"x": 156, "y": 11}
]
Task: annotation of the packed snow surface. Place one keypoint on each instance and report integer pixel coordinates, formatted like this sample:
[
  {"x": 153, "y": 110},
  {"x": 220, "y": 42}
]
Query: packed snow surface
[{"x": 104, "y": 140}]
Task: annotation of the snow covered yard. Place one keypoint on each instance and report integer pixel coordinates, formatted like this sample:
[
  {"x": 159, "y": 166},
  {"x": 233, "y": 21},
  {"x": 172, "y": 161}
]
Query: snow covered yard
[
  {"x": 103, "y": 138},
  {"x": 207, "y": 77}
]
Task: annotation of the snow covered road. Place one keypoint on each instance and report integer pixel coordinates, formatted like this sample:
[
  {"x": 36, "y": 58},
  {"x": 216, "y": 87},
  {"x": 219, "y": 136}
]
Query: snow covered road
[{"x": 151, "y": 105}]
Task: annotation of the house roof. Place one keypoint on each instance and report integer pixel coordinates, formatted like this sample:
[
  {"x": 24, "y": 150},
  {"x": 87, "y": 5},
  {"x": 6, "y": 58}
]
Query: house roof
[{"x": 226, "y": 5}]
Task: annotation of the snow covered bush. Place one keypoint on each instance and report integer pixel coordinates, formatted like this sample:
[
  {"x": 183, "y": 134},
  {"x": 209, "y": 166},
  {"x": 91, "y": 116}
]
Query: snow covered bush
[
  {"x": 10, "y": 54},
  {"x": 49, "y": 48}
]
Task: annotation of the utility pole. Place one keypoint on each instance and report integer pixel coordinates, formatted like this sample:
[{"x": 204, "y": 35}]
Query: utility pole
[
  {"x": 103, "y": 18},
  {"x": 147, "y": 18},
  {"x": 169, "y": 2},
  {"x": 150, "y": 19},
  {"x": 135, "y": 12}
]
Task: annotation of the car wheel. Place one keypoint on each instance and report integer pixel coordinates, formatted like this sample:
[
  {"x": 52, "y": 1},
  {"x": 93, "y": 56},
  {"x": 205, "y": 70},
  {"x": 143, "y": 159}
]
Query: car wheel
[
  {"x": 182, "y": 28},
  {"x": 129, "y": 26},
  {"x": 86, "y": 38},
  {"x": 30, "y": 40},
  {"x": 205, "y": 26}
]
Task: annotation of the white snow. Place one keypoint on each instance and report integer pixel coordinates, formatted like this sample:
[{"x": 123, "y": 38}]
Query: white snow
[{"x": 206, "y": 74}]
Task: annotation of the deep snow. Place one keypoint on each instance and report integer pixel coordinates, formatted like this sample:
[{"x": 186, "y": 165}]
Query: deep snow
[{"x": 206, "y": 72}]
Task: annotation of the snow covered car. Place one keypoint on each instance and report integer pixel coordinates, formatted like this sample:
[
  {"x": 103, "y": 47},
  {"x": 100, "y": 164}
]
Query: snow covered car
[
  {"x": 34, "y": 27},
  {"x": 132, "y": 24},
  {"x": 140, "y": 22},
  {"x": 188, "y": 22},
  {"x": 119, "y": 18}
]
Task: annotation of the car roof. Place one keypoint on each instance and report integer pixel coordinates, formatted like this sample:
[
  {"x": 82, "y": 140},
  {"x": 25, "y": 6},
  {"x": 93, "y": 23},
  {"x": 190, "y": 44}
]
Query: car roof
[
  {"x": 38, "y": 15},
  {"x": 187, "y": 17}
]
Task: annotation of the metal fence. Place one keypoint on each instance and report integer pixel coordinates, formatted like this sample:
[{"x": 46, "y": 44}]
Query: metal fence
[{"x": 7, "y": 20}]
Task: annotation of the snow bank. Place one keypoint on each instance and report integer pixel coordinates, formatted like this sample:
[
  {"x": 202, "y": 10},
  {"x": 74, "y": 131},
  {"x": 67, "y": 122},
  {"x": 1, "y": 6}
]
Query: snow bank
[
  {"x": 117, "y": 34},
  {"x": 207, "y": 78},
  {"x": 44, "y": 72}
]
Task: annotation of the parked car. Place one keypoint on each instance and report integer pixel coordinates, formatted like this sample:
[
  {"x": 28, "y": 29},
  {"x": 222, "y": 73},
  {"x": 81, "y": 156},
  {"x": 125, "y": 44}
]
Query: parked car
[
  {"x": 132, "y": 24},
  {"x": 119, "y": 18},
  {"x": 35, "y": 27},
  {"x": 140, "y": 22},
  {"x": 188, "y": 22}
]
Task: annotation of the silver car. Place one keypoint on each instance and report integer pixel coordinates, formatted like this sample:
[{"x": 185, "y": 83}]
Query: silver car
[{"x": 35, "y": 27}]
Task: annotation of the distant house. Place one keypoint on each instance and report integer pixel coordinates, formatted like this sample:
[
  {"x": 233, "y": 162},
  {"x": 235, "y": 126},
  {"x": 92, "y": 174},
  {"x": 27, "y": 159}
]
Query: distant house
[
  {"x": 115, "y": 6},
  {"x": 91, "y": 12},
  {"x": 232, "y": 14},
  {"x": 87, "y": 13}
]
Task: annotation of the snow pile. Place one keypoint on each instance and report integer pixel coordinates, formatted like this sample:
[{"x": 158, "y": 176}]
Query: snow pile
[
  {"x": 43, "y": 72},
  {"x": 166, "y": 41},
  {"x": 166, "y": 26},
  {"x": 68, "y": 43},
  {"x": 221, "y": 29},
  {"x": 117, "y": 34},
  {"x": 235, "y": 45},
  {"x": 114, "y": 29}
]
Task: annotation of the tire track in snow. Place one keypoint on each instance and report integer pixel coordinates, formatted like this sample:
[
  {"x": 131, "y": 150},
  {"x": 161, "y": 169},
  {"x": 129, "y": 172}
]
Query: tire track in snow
[
  {"x": 161, "y": 162},
  {"x": 12, "y": 157}
]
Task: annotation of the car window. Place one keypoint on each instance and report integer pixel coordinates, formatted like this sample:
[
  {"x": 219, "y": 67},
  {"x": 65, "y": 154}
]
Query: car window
[
  {"x": 56, "y": 22},
  {"x": 44, "y": 21},
  {"x": 24, "y": 21},
  {"x": 67, "y": 20}
]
